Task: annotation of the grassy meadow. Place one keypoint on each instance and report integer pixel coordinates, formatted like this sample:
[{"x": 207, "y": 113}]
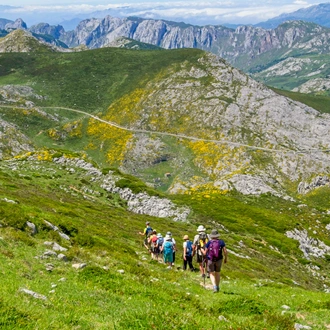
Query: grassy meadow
[{"x": 121, "y": 287}]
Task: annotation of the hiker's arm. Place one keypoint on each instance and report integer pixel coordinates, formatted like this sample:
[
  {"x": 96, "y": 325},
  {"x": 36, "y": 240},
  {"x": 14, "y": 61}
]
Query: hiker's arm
[
  {"x": 225, "y": 253},
  {"x": 184, "y": 251},
  {"x": 204, "y": 251}
]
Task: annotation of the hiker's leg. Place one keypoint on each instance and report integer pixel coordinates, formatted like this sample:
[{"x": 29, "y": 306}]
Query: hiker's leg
[
  {"x": 217, "y": 279},
  {"x": 189, "y": 259},
  {"x": 184, "y": 263},
  {"x": 212, "y": 278}
]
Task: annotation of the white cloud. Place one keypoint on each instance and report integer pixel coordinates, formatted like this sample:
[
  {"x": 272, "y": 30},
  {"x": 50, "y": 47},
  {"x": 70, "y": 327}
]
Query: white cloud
[{"x": 240, "y": 11}]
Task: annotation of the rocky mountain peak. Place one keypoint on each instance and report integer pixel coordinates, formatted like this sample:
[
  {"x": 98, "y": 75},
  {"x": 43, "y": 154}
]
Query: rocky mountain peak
[
  {"x": 23, "y": 41},
  {"x": 18, "y": 24}
]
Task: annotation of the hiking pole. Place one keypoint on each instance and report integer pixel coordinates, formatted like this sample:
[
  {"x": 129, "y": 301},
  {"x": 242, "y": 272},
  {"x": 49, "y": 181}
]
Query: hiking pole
[{"x": 204, "y": 269}]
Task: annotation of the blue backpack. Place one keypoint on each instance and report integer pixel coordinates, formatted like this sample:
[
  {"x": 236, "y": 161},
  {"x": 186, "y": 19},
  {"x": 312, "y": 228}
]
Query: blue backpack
[
  {"x": 148, "y": 231},
  {"x": 160, "y": 242},
  {"x": 168, "y": 247},
  {"x": 189, "y": 248},
  {"x": 215, "y": 250}
]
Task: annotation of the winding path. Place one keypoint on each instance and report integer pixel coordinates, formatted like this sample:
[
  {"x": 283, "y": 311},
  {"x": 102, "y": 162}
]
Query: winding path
[{"x": 181, "y": 136}]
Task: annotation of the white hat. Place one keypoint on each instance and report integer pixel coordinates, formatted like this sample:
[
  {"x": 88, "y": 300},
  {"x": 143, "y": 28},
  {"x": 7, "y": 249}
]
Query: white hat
[
  {"x": 169, "y": 233},
  {"x": 159, "y": 235},
  {"x": 167, "y": 238},
  {"x": 201, "y": 228}
]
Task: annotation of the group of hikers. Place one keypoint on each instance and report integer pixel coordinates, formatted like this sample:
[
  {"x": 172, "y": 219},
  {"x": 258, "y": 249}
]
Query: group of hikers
[{"x": 209, "y": 249}]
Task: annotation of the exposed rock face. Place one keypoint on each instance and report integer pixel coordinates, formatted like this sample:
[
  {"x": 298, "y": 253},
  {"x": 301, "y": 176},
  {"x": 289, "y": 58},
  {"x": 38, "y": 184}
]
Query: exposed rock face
[
  {"x": 12, "y": 141},
  {"x": 313, "y": 85},
  {"x": 317, "y": 182},
  {"x": 22, "y": 41},
  {"x": 18, "y": 24},
  {"x": 309, "y": 246},
  {"x": 140, "y": 203},
  {"x": 44, "y": 28},
  {"x": 247, "y": 41}
]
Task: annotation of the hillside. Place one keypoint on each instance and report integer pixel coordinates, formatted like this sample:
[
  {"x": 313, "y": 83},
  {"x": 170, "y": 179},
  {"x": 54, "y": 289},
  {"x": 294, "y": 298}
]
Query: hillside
[
  {"x": 177, "y": 121},
  {"x": 70, "y": 255}
]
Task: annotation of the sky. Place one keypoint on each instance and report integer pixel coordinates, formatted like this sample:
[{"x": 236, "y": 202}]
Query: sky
[{"x": 192, "y": 11}]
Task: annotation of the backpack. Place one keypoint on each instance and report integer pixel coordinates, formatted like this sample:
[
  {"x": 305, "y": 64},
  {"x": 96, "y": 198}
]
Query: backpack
[
  {"x": 154, "y": 241},
  {"x": 160, "y": 241},
  {"x": 203, "y": 239},
  {"x": 189, "y": 249},
  {"x": 148, "y": 231},
  {"x": 215, "y": 250},
  {"x": 168, "y": 247}
]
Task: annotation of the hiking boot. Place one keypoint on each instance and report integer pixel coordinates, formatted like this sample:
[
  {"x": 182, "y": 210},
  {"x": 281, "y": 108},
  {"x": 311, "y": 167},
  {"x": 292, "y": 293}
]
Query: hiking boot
[
  {"x": 215, "y": 289},
  {"x": 203, "y": 275},
  {"x": 208, "y": 275}
]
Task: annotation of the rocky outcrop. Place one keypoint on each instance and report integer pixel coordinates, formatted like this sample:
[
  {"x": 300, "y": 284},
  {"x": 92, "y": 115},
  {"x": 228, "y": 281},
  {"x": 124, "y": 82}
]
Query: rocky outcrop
[
  {"x": 140, "y": 203},
  {"x": 12, "y": 141},
  {"x": 311, "y": 247},
  {"x": 44, "y": 28},
  {"x": 18, "y": 24},
  {"x": 317, "y": 182},
  {"x": 20, "y": 41}
]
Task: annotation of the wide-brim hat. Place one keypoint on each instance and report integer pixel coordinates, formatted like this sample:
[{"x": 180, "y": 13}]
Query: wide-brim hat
[
  {"x": 185, "y": 237},
  {"x": 159, "y": 235},
  {"x": 169, "y": 233},
  {"x": 167, "y": 238},
  {"x": 147, "y": 223},
  {"x": 214, "y": 234},
  {"x": 201, "y": 228}
]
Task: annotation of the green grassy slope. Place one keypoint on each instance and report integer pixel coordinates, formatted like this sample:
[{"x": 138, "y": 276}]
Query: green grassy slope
[
  {"x": 256, "y": 282},
  {"x": 318, "y": 102},
  {"x": 89, "y": 80}
]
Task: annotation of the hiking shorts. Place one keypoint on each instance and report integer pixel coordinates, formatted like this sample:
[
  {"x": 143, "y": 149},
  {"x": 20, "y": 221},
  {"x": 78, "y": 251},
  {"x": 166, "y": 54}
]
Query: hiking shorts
[
  {"x": 168, "y": 257},
  {"x": 214, "y": 266},
  {"x": 199, "y": 258}
]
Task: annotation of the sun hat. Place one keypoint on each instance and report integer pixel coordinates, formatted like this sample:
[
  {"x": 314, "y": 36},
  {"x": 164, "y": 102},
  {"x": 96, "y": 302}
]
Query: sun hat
[
  {"x": 185, "y": 237},
  {"x": 167, "y": 238},
  {"x": 147, "y": 223},
  {"x": 201, "y": 228},
  {"x": 214, "y": 234},
  {"x": 169, "y": 233},
  {"x": 159, "y": 235}
]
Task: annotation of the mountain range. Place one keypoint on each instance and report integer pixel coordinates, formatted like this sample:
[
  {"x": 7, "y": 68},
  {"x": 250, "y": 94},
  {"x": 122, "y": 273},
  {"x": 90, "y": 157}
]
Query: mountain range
[{"x": 292, "y": 56}]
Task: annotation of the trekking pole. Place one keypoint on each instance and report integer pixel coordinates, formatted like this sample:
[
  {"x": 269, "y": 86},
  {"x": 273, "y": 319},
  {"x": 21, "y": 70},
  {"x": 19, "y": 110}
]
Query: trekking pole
[{"x": 204, "y": 268}]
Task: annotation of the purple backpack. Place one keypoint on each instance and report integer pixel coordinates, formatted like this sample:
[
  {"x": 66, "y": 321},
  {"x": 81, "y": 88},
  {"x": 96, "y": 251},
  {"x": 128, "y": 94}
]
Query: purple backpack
[{"x": 215, "y": 250}]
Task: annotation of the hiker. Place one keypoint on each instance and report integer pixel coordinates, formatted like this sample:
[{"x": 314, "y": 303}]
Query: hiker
[
  {"x": 216, "y": 252},
  {"x": 152, "y": 242},
  {"x": 160, "y": 242},
  {"x": 167, "y": 249},
  {"x": 199, "y": 242},
  {"x": 187, "y": 253},
  {"x": 146, "y": 233},
  {"x": 174, "y": 245}
]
